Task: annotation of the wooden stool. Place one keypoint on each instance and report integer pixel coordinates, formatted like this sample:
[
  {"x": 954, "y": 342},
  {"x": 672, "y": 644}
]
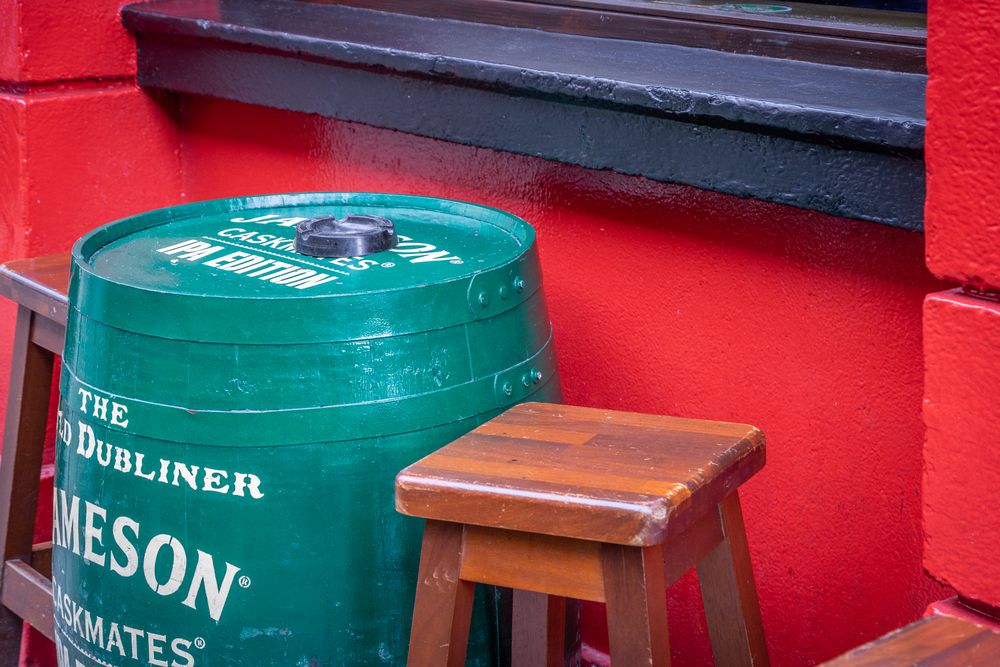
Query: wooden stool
[
  {"x": 941, "y": 641},
  {"x": 39, "y": 288},
  {"x": 561, "y": 501}
]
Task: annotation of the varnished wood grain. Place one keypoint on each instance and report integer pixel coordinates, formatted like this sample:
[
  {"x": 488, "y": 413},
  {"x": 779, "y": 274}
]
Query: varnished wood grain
[
  {"x": 730, "y": 594},
  {"x": 539, "y": 624},
  {"x": 41, "y": 558},
  {"x": 594, "y": 505},
  {"x": 48, "y": 334},
  {"x": 686, "y": 550},
  {"x": 533, "y": 562},
  {"x": 940, "y": 641},
  {"x": 39, "y": 286},
  {"x": 576, "y": 472},
  {"x": 28, "y": 594},
  {"x": 637, "y": 605},
  {"x": 40, "y": 283},
  {"x": 442, "y": 611},
  {"x": 20, "y": 467}
]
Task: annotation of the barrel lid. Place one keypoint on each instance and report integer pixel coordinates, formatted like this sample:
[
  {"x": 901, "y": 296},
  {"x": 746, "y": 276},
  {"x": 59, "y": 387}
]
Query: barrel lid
[{"x": 227, "y": 270}]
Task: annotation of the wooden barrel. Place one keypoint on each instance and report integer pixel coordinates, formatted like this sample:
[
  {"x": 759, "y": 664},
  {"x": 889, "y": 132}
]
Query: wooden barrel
[{"x": 233, "y": 414}]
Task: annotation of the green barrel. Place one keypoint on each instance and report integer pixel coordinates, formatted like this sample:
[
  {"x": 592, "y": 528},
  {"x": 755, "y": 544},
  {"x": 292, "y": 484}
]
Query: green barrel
[{"x": 233, "y": 414}]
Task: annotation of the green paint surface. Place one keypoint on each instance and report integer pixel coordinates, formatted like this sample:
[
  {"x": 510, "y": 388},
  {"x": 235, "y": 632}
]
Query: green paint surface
[{"x": 227, "y": 443}]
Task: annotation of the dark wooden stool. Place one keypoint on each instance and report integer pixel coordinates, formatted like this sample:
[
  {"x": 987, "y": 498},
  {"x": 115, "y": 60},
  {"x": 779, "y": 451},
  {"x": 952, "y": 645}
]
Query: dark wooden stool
[
  {"x": 557, "y": 501},
  {"x": 941, "y": 641},
  {"x": 38, "y": 286}
]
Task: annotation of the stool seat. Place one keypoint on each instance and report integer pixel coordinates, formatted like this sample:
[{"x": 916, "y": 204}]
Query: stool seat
[
  {"x": 941, "y": 641},
  {"x": 583, "y": 473},
  {"x": 557, "y": 501}
]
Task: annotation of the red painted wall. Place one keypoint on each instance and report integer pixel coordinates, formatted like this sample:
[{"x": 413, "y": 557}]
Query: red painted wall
[
  {"x": 49, "y": 41},
  {"x": 673, "y": 300},
  {"x": 963, "y": 142},
  {"x": 665, "y": 298},
  {"x": 79, "y": 144},
  {"x": 69, "y": 160},
  {"x": 962, "y": 411}
]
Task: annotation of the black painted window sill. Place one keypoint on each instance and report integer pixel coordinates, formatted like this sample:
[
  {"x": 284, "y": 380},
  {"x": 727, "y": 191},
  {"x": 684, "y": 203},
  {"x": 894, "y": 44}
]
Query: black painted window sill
[{"x": 834, "y": 139}]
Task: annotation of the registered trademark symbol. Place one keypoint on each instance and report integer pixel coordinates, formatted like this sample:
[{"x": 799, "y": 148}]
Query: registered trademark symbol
[
  {"x": 388, "y": 265},
  {"x": 199, "y": 643},
  {"x": 244, "y": 582},
  {"x": 456, "y": 261}
]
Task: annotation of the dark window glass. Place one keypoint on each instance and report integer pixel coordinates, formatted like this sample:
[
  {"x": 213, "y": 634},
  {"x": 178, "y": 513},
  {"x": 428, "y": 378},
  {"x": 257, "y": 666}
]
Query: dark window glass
[
  {"x": 881, "y": 34},
  {"x": 891, "y": 5}
]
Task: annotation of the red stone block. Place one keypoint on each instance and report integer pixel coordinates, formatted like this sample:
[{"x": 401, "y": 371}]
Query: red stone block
[
  {"x": 963, "y": 142},
  {"x": 55, "y": 40},
  {"x": 962, "y": 451},
  {"x": 73, "y": 160}
]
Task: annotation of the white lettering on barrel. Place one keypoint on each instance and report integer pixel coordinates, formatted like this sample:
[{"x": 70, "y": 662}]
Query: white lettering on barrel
[
  {"x": 123, "y": 460},
  {"x": 139, "y": 456},
  {"x": 62, "y": 653},
  {"x": 272, "y": 217},
  {"x": 117, "y": 412},
  {"x": 190, "y": 475},
  {"x": 212, "y": 479},
  {"x": 204, "y": 580},
  {"x": 261, "y": 218},
  {"x": 105, "y": 458},
  {"x": 128, "y": 462},
  {"x": 131, "y": 564},
  {"x": 86, "y": 434},
  {"x": 179, "y": 647},
  {"x": 66, "y": 521},
  {"x": 93, "y": 533},
  {"x": 64, "y": 430},
  {"x": 226, "y": 259},
  {"x": 84, "y": 397},
  {"x": 253, "y": 485},
  {"x": 179, "y": 563},
  {"x": 418, "y": 252},
  {"x": 134, "y": 634},
  {"x": 115, "y": 639},
  {"x": 94, "y": 626},
  {"x": 190, "y": 249},
  {"x": 155, "y": 649},
  {"x": 100, "y": 408}
]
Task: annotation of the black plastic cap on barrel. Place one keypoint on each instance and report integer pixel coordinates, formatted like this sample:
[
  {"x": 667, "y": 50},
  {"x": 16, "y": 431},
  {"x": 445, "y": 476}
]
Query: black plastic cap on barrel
[{"x": 352, "y": 236}]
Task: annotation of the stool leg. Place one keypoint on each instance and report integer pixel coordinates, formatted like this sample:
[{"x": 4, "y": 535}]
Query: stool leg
[
  {"x": 730, "y": 596},
  {"x": 21, "y": 463},
  {"x": 442, "y": 611},
  {"x": 636, "y": 594},
  {"x": 539, "y": 630}
]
